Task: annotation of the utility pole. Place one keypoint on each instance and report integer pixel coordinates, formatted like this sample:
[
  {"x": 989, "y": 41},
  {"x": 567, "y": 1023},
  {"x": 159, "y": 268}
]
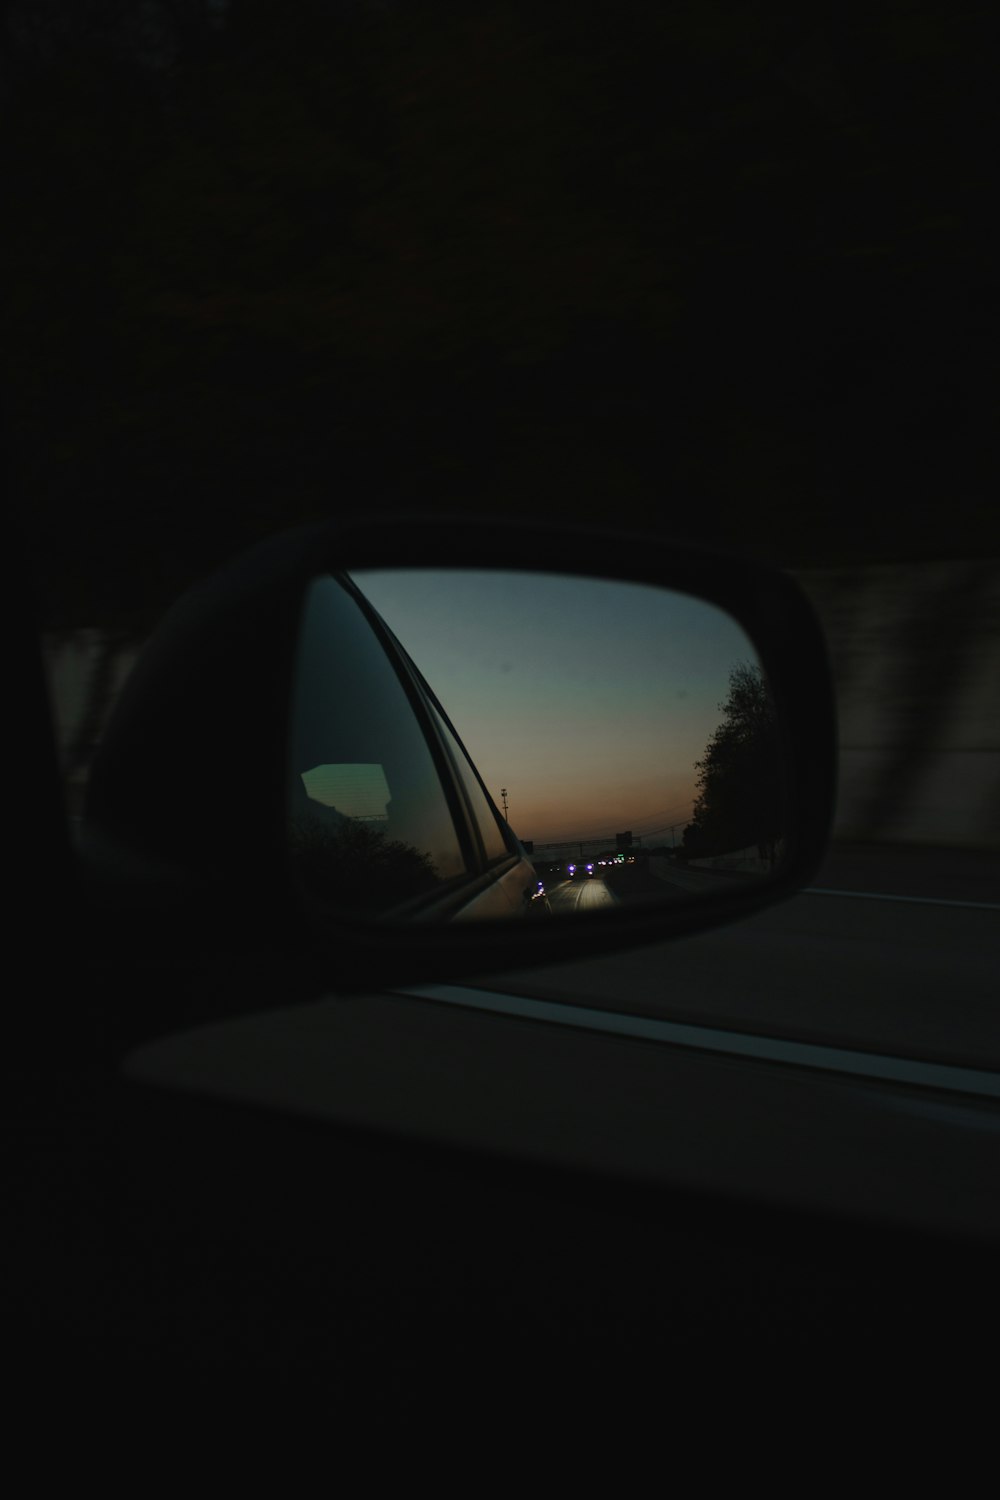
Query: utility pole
[{"x": 503, "y": 794}]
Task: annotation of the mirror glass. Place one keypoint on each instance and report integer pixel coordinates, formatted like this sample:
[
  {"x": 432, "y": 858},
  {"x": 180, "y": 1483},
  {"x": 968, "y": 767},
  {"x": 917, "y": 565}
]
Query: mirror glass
[{"x": 541, "y": 745}]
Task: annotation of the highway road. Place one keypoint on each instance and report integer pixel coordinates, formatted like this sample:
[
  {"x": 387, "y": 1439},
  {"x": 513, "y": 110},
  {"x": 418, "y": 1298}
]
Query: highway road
[
  {"x": 579, "y": 895},
  {"x": 893, "y": 950}
]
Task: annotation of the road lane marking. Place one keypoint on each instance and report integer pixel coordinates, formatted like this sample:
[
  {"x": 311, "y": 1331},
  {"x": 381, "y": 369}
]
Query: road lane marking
[
  {"x": 944, "y": 1076},
  {"x": 819, "y": 890}
]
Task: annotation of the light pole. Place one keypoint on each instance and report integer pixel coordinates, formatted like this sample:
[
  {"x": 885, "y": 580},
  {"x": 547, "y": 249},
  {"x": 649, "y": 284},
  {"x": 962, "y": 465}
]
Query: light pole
[{"x": 503, "y": 794}]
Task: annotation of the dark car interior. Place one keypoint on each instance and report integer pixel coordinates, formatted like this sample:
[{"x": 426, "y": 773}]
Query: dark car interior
[
  {"x": 299, "y": 1192},
  {"x": 687, "y": 295}
]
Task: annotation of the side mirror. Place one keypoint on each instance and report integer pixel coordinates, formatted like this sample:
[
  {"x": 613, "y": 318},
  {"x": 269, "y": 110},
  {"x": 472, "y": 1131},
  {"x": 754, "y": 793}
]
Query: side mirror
[{"x": 432, "y": 748}]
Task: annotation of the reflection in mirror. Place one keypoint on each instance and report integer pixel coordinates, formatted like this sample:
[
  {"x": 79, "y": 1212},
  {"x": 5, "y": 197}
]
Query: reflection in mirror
[
  {"x": 370, "y": 826},
  {"x": 626, "y": 733}
]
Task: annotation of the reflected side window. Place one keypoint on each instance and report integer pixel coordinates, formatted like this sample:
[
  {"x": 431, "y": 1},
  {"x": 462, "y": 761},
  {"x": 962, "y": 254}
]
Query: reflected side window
[
  {"x": 370, "y": 827},
  {"x": 494, "y": 844}
]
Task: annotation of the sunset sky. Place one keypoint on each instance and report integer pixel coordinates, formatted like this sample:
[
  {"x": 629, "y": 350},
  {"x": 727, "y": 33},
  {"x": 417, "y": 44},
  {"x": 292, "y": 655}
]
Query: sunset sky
[{"x": 588, "y": 700}]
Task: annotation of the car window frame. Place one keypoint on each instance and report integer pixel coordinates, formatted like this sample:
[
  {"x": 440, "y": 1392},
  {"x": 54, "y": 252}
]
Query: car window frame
[{"x": 425, "y": 703}]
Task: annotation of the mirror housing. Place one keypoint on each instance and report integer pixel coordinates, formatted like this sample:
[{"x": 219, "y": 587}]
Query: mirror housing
[{"x": 184, "y": 841}]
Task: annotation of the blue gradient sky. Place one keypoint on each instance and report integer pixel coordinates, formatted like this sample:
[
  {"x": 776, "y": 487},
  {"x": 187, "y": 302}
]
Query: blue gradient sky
[{"x": 588, "y": 700}]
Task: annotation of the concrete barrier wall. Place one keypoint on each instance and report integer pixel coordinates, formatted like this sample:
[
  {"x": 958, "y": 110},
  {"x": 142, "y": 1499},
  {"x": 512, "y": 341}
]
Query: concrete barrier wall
[
  {"x": 915, "y": 650},
  {"x": 744, "y": 861},
  {"x": 86, "y": 670}
]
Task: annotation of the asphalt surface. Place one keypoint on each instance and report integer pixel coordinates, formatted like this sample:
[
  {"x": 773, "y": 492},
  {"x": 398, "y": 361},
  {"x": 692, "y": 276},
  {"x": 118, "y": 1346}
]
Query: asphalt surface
[
  {"x": 892, "y": 950},
  {"x": 589, "y": 894}
]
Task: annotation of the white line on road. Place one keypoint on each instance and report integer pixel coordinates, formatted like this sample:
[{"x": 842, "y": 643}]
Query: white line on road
[
  {"x": 933, "y": 1075},
  {"x": 817, "y": 890}
]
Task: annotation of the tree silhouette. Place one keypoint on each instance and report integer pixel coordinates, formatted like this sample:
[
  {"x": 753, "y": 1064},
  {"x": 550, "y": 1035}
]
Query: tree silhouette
[
  {"x": 740, "y": 800},
  {"x": 353, "y": 867}
]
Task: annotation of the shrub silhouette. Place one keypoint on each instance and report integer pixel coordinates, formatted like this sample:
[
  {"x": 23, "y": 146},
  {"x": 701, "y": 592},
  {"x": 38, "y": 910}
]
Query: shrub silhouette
[
  {"x": 740, "y": 801},
  {"x": 357, "y": 867}
]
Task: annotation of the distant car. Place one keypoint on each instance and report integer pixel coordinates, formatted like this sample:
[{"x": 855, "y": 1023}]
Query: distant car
[
  {"x": 537, "y": 902},
  {"x": 580, "y": 871},
  {"x": 535, "y": 899}
]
